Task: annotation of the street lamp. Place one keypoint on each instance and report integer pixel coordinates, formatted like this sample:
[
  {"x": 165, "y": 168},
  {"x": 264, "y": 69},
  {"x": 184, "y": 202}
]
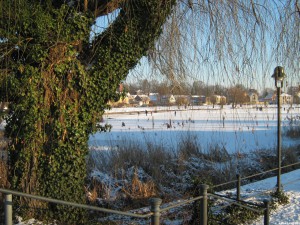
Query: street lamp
[{"x": 279, "y": 76}]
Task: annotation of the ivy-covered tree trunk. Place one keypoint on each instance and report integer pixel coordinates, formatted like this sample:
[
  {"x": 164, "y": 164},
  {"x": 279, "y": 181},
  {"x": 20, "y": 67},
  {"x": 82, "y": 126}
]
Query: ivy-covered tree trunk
[{"x": 59, "y": 82}]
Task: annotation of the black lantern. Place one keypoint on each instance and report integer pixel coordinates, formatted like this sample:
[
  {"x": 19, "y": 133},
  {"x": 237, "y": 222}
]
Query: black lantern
[{"x": 279, "y": 76}]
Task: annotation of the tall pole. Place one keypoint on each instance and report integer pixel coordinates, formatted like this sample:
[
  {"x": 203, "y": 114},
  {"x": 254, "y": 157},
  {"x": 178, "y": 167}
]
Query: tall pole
[
  {"x": 279, "y": 76},
  {"x": 278, "y": 139}
]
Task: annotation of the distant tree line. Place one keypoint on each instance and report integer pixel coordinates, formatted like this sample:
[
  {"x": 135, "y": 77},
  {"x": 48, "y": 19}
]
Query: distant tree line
[
  {"x": 176, "y": 88},
  {"x": 236, "y": 94}
]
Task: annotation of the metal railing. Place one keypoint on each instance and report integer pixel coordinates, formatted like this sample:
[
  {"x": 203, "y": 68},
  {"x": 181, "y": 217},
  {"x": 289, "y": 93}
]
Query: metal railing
[
  {"x": 155, "y": 209},
  {"x": 155, "y": 203},
  {"x": 239, "y": 179},
  {"x": 8, "y": 206}
]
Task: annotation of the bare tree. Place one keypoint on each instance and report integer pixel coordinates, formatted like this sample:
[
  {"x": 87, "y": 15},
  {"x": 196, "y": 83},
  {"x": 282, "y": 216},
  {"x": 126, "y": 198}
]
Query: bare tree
[
  {"x": 237, "y": 95},
  {"x": 229, "y": 41}
]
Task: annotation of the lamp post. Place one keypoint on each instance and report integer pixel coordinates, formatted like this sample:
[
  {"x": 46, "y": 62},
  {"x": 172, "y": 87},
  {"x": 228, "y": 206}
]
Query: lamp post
[{"x": 279, "y": 76}]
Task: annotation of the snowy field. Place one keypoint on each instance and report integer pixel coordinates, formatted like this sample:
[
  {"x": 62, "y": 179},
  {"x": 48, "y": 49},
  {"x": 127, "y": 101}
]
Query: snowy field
[{"x": 238, "y": 130}]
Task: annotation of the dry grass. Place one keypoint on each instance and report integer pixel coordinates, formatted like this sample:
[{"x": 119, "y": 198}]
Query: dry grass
[
  {"x": 293, "y": 130},
  {"x": 188, "y": 148},
  {"x": 92, "y": 194},
  {"x": 291, "y": 155},
  {"x": 137, "y": 189},
  {"x": 171, "y": 174},
  {"x": 98, "y": 190},
  {"x": 131, "y": 155}
]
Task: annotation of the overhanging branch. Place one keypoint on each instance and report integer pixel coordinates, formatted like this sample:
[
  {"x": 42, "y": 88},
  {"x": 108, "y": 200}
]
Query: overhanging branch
[{"x": 105, "y": 7}]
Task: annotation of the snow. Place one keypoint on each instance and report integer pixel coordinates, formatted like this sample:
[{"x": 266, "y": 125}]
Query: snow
[
  {"x": 284, "y": 214},
  {"x": 239, "y": 130}
]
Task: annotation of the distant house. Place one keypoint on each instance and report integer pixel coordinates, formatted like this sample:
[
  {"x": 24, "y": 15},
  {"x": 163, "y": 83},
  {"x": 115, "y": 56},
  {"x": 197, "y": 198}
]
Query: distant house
[
  {"x": 196, "y": 100},
  {"x": 142, "y": 100},
  {"x": 168, "y": 99},
  {"x": 286, "y": 98},
  {"x": 154, "y": 98},
  {"x": 202, "y": 99},
  {"x": 124, "y": 100},
  {"x": 253, "y": 97},
  {"x": 219, "y": 99},
  {"x": 270, "y": 98},
  {"x": 182, "y": 99}
]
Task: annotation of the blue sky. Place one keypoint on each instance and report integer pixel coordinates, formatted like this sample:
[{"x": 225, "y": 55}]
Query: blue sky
[{"x": 201, "y": 65}]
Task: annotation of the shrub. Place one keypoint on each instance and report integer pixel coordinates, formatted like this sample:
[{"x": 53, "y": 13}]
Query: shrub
[
  {"x": 131, "y": 154},
  {"x": 138, "y": 191},
  {"x": 179, "y": 174},
  {"x": 267, "y": 158},
  {"x": 290, "y": 156},
  {"x": 293, "y": 130},
  {"x": 188, "y": 147},
  {"x": 235, "y": 215},
  {"x": 217, "y": 154},
  {"x": 279, "y": 197}
]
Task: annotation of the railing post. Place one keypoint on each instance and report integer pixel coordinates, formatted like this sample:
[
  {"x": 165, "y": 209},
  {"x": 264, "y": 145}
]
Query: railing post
[
  {"x": 8, "y": 209},
  {"x": 155, "y": 209},
  {"x": 203, "y": 210},
  {"x": 238, "y": 187},
  {"x": 267, "y": 212}
]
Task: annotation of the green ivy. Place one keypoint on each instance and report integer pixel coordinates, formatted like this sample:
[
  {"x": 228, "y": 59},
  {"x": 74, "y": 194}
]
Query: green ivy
[
  {"x": 59, "y": 83},
  {"x": 279, "y": 197}
]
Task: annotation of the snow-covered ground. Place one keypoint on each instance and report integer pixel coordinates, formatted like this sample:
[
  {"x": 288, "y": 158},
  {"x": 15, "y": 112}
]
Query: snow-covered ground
[
  {"x": 285, "y": 214},
  {"x": 238, "y": 130}
]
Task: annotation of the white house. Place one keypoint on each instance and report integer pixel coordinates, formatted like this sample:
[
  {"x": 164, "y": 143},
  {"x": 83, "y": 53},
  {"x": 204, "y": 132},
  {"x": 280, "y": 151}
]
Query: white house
[
  {"x": 168, "y": 99},
  {"x": 286, "y": 98},
  {"x": 253, "y": 97}
]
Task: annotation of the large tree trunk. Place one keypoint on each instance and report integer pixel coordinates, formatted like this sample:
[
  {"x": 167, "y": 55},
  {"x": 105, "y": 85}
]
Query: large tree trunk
[{"x": 59, "y": 91}]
